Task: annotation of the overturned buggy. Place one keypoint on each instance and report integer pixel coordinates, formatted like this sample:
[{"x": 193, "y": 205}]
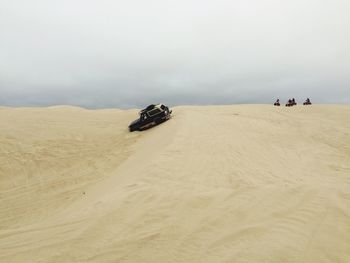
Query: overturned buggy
[{"x": 153, "y": 115}]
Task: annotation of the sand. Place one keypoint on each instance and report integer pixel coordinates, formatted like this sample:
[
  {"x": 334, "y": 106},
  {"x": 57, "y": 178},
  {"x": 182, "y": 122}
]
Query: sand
[{"x": 243, "y": 183}]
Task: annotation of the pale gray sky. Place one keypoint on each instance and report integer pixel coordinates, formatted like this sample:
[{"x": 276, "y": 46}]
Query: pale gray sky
[{"x": 111, "y": 53}]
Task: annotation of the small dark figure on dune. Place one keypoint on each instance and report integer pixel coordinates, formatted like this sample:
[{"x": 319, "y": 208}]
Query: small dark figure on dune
[
  {"x": 307, "y": 102},
  {"x": 277, "y": 103},
  {"x": 291, "y": 102}
]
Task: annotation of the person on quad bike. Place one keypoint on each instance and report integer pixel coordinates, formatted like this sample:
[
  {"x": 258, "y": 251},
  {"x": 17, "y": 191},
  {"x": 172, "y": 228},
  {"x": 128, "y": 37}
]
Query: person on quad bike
[
  {"x": 307, "y": 102},
  {"x": 277, "y": 103}
]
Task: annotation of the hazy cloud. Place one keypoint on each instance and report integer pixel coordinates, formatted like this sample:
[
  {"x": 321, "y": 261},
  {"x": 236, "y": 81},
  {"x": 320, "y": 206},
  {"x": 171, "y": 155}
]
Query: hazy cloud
[{"x": 130, "y": 53}]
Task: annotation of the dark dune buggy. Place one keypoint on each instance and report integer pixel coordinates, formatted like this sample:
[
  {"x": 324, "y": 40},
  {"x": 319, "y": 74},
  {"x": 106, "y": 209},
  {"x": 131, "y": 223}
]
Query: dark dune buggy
[{"x": 153, "y": 115}]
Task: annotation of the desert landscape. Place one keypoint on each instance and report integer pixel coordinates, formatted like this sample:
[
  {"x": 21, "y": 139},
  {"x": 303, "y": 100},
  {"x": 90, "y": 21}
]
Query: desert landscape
[{"x": 240, "y": 183}]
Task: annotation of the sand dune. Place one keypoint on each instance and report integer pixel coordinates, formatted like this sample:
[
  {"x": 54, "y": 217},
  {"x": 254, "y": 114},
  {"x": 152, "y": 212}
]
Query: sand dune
[{"x": 243, "y": 183}]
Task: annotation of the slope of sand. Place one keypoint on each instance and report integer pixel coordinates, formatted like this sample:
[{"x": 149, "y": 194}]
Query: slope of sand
[{"x": 243, "y": 183}]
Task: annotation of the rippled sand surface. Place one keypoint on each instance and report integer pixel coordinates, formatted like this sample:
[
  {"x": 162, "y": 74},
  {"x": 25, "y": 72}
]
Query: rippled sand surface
[{"x": 242, "y": 183}]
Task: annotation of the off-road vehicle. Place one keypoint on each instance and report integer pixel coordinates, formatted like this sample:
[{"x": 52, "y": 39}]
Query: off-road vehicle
[
  {"x": 291, "y": 103},
  {"x": 307, "y": 102},
  {"x": 153, "y": 115}
]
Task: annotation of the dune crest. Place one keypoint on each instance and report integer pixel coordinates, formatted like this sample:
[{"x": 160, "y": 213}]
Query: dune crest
[{"x": 243, "y": 183}]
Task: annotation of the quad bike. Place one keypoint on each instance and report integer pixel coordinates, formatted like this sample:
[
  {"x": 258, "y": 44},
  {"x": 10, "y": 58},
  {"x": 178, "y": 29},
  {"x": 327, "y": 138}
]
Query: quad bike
[{"x": 291, "y": 103}]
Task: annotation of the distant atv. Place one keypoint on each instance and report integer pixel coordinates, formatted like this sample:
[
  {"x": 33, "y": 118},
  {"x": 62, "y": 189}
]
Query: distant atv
[
  {"x": 291, "y": 103},
  {"x": 153, "y": 115},
  {"x": 277, "y": 103},
  {"x": 307, "y": 102}
]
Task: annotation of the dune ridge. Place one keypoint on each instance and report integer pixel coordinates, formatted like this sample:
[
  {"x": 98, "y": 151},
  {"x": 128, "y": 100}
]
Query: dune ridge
[{"x": 242, "y": 183}]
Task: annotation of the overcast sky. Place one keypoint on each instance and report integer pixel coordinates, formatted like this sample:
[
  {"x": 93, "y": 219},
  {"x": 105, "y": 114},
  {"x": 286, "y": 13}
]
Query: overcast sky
[{"x": 113, "y": 53}]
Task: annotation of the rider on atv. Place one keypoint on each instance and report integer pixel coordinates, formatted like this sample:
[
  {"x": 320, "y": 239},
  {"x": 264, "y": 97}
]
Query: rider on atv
[{"x": 277, "y": 103}]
